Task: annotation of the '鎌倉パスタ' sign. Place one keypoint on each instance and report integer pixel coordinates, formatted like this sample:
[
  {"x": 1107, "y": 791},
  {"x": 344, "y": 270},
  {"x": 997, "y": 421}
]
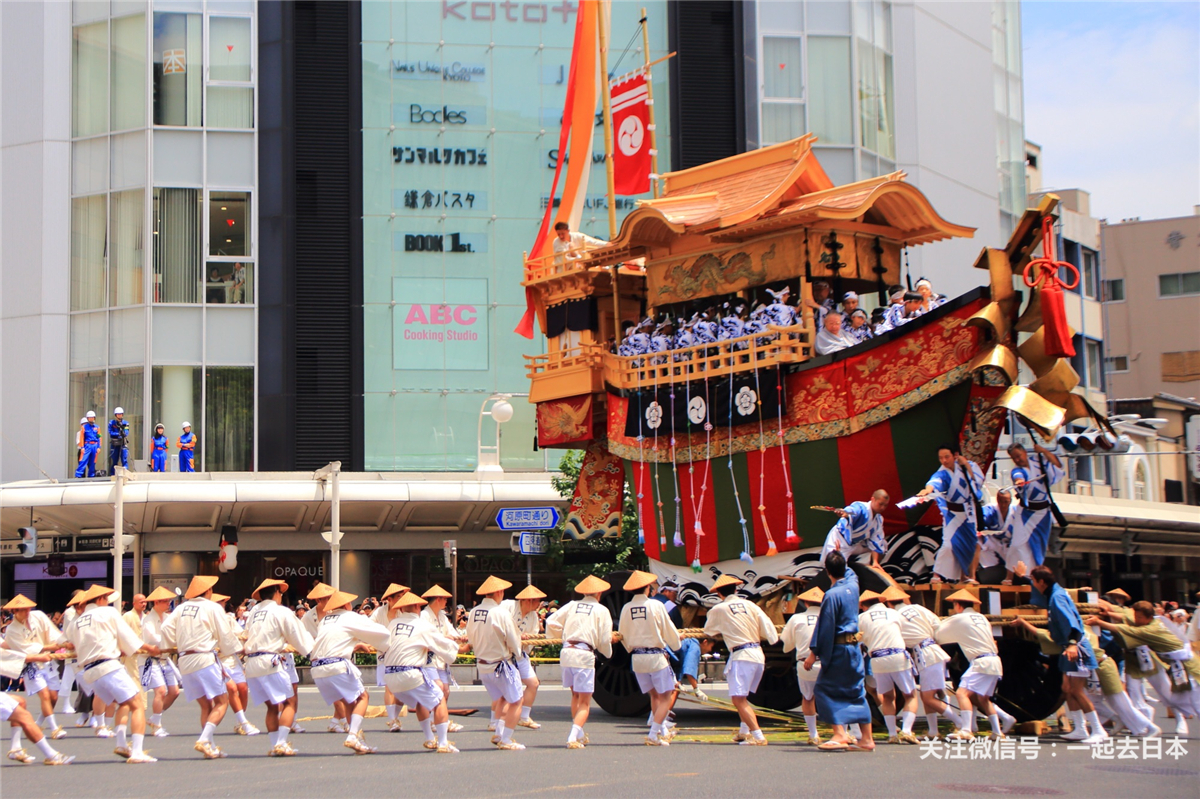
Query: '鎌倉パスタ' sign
[{"x": 440, "y": 324}]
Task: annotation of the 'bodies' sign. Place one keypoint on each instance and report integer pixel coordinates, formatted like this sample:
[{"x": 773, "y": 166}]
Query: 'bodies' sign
[{"x": 440, "y": 324}]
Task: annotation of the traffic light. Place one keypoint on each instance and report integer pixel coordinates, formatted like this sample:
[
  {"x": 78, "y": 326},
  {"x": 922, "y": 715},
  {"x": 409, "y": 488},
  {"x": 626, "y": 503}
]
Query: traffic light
[{"x": 28, "y": 543}]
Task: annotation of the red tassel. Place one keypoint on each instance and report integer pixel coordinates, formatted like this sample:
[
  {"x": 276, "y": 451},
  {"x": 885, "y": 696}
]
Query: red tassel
[
  {"x": 1043, "y": 274},
  {"x": 1057, "y": 336}
]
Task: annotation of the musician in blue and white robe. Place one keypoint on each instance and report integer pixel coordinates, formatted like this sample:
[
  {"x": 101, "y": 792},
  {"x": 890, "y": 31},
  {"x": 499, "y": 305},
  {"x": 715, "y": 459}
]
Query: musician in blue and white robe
[
  {"x": 705, "y": 329},
  {"x": 1035, "y": 494},
  {"x": 859, "y": 530},
  {"x": 732, "y": 324},
  {"x": 779, "y": 313},
  {"x": 906, "y": 311},
  {"x": 998, "y": 549},
  {"x": 956, "y": 500},
  {"x": 662, "y": 340},
  {"x": 929, "y": 298},
  {"x": 821, "y": 303},
  {"x": 757, "y": 323},
  {"x": 856, "y": 326}
]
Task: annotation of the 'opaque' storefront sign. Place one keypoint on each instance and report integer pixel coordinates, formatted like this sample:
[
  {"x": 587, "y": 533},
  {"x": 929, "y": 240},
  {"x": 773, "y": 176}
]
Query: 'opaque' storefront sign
[{"x": 440, "y": 323}]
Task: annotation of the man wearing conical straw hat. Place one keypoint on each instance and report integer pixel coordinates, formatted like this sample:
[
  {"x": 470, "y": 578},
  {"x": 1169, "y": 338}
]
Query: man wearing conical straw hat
[
  {"x": 525, "y": 613},
  {"x": 14, "y": 711},
  {"x": 235, "y": 678},
  {"x": 919, "y": 626},
  {"x": 890, "y": 665},
  {"x": 797, "y": 635},
  {"x": 382, "y": 615},
  {"x": 270, "y": 628},
  {"x": 496, "y": 642},
  {"x": 158, "y": 674},
  {"x": 745, "y": 627},
  {"x": 319, "y": 596},
  {"x": 403, "y": 660},
  {"x": 435, "y": 614},
  {"x": 340, "y": 634},
  {"x": 31, "y": 632},
  {"x": 585, "y": 627},
  {"x": 973, "y": 634},
  {"x": 200, "y": 631},
  {"x": 649, "y": 635},
  {"x": 100, "y": 638}
]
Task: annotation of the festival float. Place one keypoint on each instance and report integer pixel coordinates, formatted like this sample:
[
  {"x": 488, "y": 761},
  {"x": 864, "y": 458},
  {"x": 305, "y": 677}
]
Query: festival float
[{"x": 733, "y": 449}]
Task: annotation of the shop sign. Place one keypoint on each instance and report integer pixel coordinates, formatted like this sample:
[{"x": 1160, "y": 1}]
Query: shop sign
[
  {"x": 456, "y": 71},
  {"x": 442, "y": 156}
]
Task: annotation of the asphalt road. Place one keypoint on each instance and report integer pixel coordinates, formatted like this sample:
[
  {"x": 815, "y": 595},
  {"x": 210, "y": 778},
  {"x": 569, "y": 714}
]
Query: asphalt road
[{"x": 615, "y": 764}]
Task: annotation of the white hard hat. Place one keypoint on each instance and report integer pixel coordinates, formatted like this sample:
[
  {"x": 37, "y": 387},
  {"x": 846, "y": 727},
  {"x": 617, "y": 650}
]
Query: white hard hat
[
  {"x": 185, "y": 424},
  {"x": 90, "y": 415},
  {"x": 118, "y": 410},
  {"x": 83, "y": 420}
]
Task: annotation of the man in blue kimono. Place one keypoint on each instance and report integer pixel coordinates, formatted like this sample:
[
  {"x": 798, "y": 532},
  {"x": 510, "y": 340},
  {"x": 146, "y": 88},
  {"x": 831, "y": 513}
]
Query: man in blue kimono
[
  {"x": 959, "y": 487},
  {"x": 1035, "y": 478},
  {"x": 118, "y": 441},
  {"x": 1078, "y": 661},
  {"x": 859, "y": 530},
  {"x": 91, "y": 446},
  {"x": 840, "y": 694}
]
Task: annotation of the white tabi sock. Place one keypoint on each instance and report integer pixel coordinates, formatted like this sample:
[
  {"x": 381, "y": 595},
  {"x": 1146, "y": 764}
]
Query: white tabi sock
[
  {"x": 1130, "y": 716},
  {"x": 506, "y": 735},
  {"x": 283, "y": 735},
  {"x": 964, "y": 718},
  {"x": 650, "y": 721},
  {"x": 52, "y": 723},
  {"x": 1097, "y": 727},
  {"x": 355, "y": 724},
  {"x": 121, "y": 730},
  {"x": 135, "y": 743},
  {"x": 16, "y": 739},
  {"x": 39, "y": 720},
  {"x": 240, "y": 715},
  {"x": 95, "y": 721},
  {"x": 427, "y": 727},
  {"x": 811, "y": 723},
  {"x": 1005, "y": 718},
  {"x": 207, "y": 734},
  {"x": 974, "y": 722},
  {"x": 442, "y": 729},
  {"x": 45, "y": 747},
  {"x": 907, "y": 719},
  {"x": 758, "y": 734},
  {"x": 994, "y": 720},
  {"x": 951, "y": 716},
  {"x": 744, "y": 729},
  {"x": 1078, "y": 720},
  {"x": 156, "y": 719},
  {"x": 525, "y": 711},
  {"x": 500, "y": 728},
  {"x": 656, "y": 730},
  {"x": 576, "y": 733},
  {"x": 931, "y": 720},
  {"x": 890, "y": 721},
  {"x": 492, "y": 720},
  {"x": 392, "y": 712}
]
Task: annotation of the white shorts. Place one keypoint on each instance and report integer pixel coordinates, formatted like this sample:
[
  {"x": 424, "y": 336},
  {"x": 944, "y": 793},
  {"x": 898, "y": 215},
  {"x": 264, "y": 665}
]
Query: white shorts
[
  {"x": 233, "y": 671},
  {"x": 289, "y": 665},
  {"x": 427, "y": 695},
  {"x": 743, "y": 676},
  {"x": 900, "y": 680},
  {"x": 274, "y": 688},
  {"x": 581, "y": 681},
  {"x": 117, "y": 687},
  {"x": 661, "y": 681},
  {"x": 347, "y": 686},
  {"x": 443, "y": 676},
  {"x": 38, "y": 676},
  {"x": 503, "y": 683},
  {"x": 208, "y": 683},
  {"x": 7, "y": 705},
  {"x": 807, "y": 688},
  {"x": 154, "y": 675},
  {"x": 976, "y": 683},
  {"x": 933, "y": 677},
  {"x": 525, "y": 669}
]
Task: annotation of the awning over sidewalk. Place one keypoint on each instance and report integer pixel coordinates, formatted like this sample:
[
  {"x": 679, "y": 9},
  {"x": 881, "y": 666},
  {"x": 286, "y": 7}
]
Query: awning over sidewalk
[{"x": 1129, "y": 527}]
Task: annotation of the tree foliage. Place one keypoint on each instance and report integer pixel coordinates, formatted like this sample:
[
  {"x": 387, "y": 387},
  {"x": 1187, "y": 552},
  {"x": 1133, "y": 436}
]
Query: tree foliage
[{"x": 608, "y": 554}]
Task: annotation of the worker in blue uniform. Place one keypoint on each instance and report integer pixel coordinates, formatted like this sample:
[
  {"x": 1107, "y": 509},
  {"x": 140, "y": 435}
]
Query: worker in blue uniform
[
  {"x": 118, "y": 441},
  {"x": 159, "y": 444},
  {"x": 187, "y": 449},
  {"x": 91, "y": 446}
]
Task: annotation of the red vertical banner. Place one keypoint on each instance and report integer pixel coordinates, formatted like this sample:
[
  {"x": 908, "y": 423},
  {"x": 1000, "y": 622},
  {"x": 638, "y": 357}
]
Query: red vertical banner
[
  {"x": 631, "y": 135},
  {"x": 696, "y": 493}
]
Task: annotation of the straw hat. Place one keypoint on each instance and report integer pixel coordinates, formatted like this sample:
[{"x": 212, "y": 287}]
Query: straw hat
[
  {"x": 493, "y": 584},
  {"x": 437, "y": 592},
  {"x": 339, "y": 599},
  {"x": 267, "y": 584},
  {"x": 409, "y": 600},
  {"x": 962, "y": 595},
  {"x": 867, "y": 596},
  {"x": 592, "y": 585},
  {"x": 894, "y": 593},
  {"x": 812, "y": 595},
  {"x": 92, "y": 594},
  {"x": 220, "y": 599},
  {"x": 161, "y": 594},
  {"x": 394, "y": 588},
  {"x": 20, "y": 602},
  {"x": 199, "y": 584},
  {"x": 320, "y": 591},
  {"x": 726, "y": 579},
  {"x": 1117, "y": 592},
  {"x": 638, "y": 580},
  {"x": 531, "y": 592}
]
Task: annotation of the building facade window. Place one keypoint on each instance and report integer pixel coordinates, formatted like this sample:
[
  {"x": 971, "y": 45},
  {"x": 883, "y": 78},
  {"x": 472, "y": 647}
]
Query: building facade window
[
  {"x": 1090, "y": 273},
  {"x": 1180, "y": 284},
  {"x": 129, "y": 72},
  {"x": 127, "y": 248},
  {"x": 89, "y": 229},
  {"x": 229, "y": 418},
  {"x": 783, "y": 89},
  {"x": 831, "y": 115},
  {"x": 230, "y": 90},
  {"x": 175, "y": 399},
  {"x": 1114, "y": 290},
  {"x": 1181, "y": 367},
  {"x": 873, "y": 29},
  {"x": 1139, "y": 481},
  {"x": 177, "y": 69},
  {"x": 1010, "y": 129},
  {"x": 1117, "y": 363},
  {"x": 176, "y": 245},
  {"x": 89, "y": 80},
  {"x": 229, "y": 223}
]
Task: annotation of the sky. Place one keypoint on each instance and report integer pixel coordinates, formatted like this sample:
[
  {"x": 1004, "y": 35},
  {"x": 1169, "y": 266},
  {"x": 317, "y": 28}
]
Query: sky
[{"x": 1112, "y": 94}]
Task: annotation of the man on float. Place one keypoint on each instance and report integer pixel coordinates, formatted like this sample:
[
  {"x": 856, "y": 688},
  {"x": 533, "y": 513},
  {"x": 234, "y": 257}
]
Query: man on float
[
  {"x": 859, "y": 530},
  {"x": 1034, "y": 477},
  {"x": 959, "y": 486}
]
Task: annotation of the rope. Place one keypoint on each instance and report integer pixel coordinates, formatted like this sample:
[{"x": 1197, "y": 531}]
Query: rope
[{"x": 636, "y": 32}]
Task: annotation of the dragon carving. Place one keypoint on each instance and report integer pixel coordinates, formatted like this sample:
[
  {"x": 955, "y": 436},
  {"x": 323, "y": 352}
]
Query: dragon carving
[{"x": 709, "y": 275}]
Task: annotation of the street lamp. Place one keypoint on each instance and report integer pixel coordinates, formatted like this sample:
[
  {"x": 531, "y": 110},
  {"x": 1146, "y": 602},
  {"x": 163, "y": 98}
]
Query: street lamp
[{"x": 488, "y": 455}]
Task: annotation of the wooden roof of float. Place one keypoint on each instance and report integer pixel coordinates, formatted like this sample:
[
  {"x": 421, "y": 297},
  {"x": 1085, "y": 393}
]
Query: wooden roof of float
[{"x": 770, "y": 190}]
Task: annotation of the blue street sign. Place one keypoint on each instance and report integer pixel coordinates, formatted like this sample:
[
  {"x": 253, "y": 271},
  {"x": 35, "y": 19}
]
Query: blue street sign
[
  {"x": 527, "y": 518},
  {"x": 534, "y": 544}
]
